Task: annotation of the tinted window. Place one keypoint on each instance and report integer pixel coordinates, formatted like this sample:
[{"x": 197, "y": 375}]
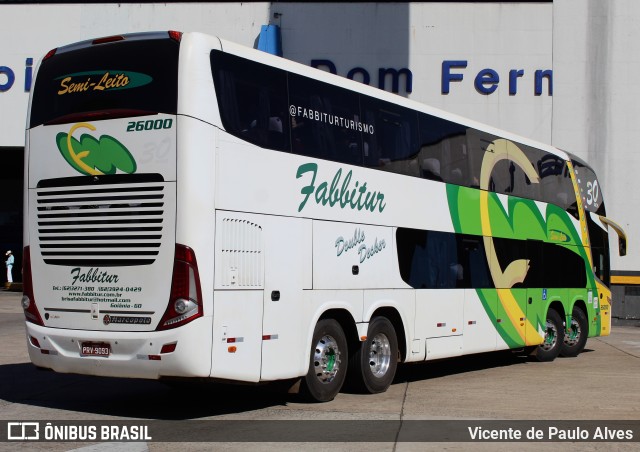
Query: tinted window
[
  {"x": 394, "y": 145},
  {"x": 550, "y": 265},
  {"x": 522, "y": 186},
  {"x": 599, "y": 240},
  {"x": 285, "y": 111},
  {"x": 442, "y": 260},
  {"x": 444, "y": 153},
  {"x": 325, "y": 121},
  {"x": 508, "y": 251},
  {"x": 556, "y": 186},
  {"x": 475, "y": 258},
  {"x": 119, "y": 76},
  {"x": 252, "y": 98},
  {"x": 565, "y": 267}
]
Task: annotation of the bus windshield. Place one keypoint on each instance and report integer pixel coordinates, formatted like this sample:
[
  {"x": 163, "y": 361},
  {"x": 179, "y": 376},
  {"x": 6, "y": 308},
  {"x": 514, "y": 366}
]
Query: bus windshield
[
  {"x": 95, "y": 80},
  {"x": 590, "y": 190}
]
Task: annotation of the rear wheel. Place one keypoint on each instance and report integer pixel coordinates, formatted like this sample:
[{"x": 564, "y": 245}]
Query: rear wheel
[
  {"x": 575, "y": 336},
  {"x": 554, "y": 335},
  {"x": 327, "y": 362},
  {"x": 374, "y": 364}
]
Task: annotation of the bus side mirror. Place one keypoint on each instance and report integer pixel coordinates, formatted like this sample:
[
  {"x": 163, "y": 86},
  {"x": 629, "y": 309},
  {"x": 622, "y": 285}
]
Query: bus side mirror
[
  {"x": 622, "y": 236},
  {"x": 622, "y": 246}
]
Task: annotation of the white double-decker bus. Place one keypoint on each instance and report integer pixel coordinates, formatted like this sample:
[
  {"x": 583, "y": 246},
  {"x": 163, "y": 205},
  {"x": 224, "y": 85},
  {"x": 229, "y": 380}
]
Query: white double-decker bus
[{"x": 194, "y": 208}]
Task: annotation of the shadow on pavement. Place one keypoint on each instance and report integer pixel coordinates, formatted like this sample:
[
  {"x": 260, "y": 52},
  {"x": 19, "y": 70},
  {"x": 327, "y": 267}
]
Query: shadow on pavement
[{"x": 132, "y": 398}]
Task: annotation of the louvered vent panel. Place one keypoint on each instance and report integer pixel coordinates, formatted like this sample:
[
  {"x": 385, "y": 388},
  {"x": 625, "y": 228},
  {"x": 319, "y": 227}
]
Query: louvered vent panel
[
  {"x": 101, "y": 225},
  {"x": 242, "y": 257}
]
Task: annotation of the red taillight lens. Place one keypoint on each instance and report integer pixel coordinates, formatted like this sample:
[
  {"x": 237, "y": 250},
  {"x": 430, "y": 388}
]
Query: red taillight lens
[
  {"x": 28, "y": 300},
  {"x": 185, "y": 302},
  {"x": 50, "y": 53},
  {"x": 168, "y": 348},
  {"x": 175, "y": 35},
  {"x": 107, "y": 39}
]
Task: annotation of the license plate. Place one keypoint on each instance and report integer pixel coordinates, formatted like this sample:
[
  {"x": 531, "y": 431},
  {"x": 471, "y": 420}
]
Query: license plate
[{"x": 95, "y": 349}]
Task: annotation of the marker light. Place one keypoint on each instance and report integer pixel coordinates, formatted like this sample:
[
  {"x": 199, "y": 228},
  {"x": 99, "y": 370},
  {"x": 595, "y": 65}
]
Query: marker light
[
  {"x": 28, "y": 300},
  {"x": 175, "y": 35},
  {"x": 107, "y": 39},
  {"x": 49, "y": 54},
  {"x": 168, "y": 348}
]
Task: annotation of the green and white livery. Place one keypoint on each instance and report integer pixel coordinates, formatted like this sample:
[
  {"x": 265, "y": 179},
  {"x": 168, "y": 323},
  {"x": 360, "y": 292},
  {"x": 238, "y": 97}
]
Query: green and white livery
[{"x": 223, "y": 213}]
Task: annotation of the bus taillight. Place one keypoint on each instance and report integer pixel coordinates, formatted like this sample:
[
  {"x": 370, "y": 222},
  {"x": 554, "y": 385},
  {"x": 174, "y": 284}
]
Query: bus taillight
[
  {"x": 28, "y": 300},
  {"x": 175, "y": 35},
  {"x": 50, "y": 53},
  {"x": 107, "y": 39},
  {"x": 185, "y": 302}
]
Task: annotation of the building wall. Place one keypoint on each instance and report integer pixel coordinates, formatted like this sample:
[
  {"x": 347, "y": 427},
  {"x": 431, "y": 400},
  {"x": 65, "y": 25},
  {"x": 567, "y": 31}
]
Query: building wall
[
  {"x": 416, "y": 36},
  {"x": 421, "y": 36},
  {"x": 31, "y": 30},
  {"x": 596, "y": 104},
  {"x": 590, "y": 45}
]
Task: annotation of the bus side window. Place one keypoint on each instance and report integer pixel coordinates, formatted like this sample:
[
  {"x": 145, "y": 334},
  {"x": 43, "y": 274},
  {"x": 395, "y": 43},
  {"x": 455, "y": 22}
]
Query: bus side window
[
  {"x": 430, "y": 259},
  {"x": 324, "y": 121},
  {"x": 252, "y": 100},
  {"x": 394, "y": 144},
  {"x": 474, "y": 259},
  {"x": 522, "y": 186},
  {"x": 444, "y": 155},
  {"x": 556, "y": 185}
]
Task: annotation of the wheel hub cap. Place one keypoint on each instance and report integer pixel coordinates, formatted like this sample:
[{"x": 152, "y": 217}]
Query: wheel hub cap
[
  {"x": 379, "y": 355},
  {"x": 573, "y": 334},
  {"x": 326, "y": 359},
  {"x": 550, "y": 337}
]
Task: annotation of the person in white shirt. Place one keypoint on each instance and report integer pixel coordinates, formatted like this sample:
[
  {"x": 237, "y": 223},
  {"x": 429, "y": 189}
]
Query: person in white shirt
[{"x": 9, "y": 264}]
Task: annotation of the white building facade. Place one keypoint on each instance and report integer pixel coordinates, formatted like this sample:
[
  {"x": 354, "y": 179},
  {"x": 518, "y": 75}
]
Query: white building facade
[{"x": 560, "y": 72}]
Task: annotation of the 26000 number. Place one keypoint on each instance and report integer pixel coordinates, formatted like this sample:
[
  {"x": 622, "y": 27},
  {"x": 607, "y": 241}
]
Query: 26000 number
[{"x": 150, "y": 124}]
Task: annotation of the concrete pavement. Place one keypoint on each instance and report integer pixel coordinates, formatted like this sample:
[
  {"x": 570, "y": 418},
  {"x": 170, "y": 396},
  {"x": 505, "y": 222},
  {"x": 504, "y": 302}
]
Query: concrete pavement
[{"x": 601, "y": 384}]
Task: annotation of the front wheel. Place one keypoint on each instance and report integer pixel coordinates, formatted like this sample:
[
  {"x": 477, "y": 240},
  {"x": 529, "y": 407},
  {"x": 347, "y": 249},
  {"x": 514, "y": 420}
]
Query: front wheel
[
  {"x": 374, "y": 364},
  {"x": 575, "y": 337},
  {"x": 554, "y": 335},
  {"x": 327, "y": 362}
]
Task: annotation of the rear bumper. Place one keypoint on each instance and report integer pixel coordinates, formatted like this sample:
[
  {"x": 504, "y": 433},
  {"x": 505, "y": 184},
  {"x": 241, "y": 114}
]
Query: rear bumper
[{"x": 133, "y": 354}]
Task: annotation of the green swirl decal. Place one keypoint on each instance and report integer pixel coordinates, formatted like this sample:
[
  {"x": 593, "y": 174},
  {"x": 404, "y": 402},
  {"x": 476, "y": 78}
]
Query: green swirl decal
[
  {"x": 481, "y": 212},
  {"x": 93, "y": 156}
]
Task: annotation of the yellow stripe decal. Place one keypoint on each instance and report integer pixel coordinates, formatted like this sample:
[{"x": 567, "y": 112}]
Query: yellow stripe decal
[{"x": 620, "y": 279}]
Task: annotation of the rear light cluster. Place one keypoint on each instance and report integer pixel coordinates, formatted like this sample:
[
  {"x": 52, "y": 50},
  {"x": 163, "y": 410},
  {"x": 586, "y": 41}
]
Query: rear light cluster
[
  {"x": 185, "y": 302},
  {"x": 175, "y": 35},
  {"x": 107, "y": 40},
  {"x": 50, "y": 53},
  {"x": 28, "y": 301}
]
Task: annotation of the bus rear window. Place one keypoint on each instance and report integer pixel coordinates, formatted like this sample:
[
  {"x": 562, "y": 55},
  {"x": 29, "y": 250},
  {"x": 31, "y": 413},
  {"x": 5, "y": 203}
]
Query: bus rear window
[{"x": 137, "y": 75}]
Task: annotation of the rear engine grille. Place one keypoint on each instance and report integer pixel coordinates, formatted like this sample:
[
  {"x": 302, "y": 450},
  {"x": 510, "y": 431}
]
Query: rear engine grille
[{"x": 108, "y": 224}]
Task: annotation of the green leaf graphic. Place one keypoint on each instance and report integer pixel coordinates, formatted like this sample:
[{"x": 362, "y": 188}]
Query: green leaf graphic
[
  {"x": 521, "y": 219},
  {"x": 107, "y": 155}
]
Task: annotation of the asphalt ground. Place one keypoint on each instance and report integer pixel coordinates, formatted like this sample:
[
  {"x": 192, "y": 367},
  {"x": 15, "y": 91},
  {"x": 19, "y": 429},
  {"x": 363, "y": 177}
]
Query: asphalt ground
[{"x": 436, "y": 401}]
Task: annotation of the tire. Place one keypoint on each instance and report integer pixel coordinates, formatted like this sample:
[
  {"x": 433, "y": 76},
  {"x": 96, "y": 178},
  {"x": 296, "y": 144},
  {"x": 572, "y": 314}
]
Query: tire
[
  {"x": 553, "y": 338},
  {"x": 575, "y": 336},
  {"x": 373, "y": 366},
  {"x": 328, "y": 360}
]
